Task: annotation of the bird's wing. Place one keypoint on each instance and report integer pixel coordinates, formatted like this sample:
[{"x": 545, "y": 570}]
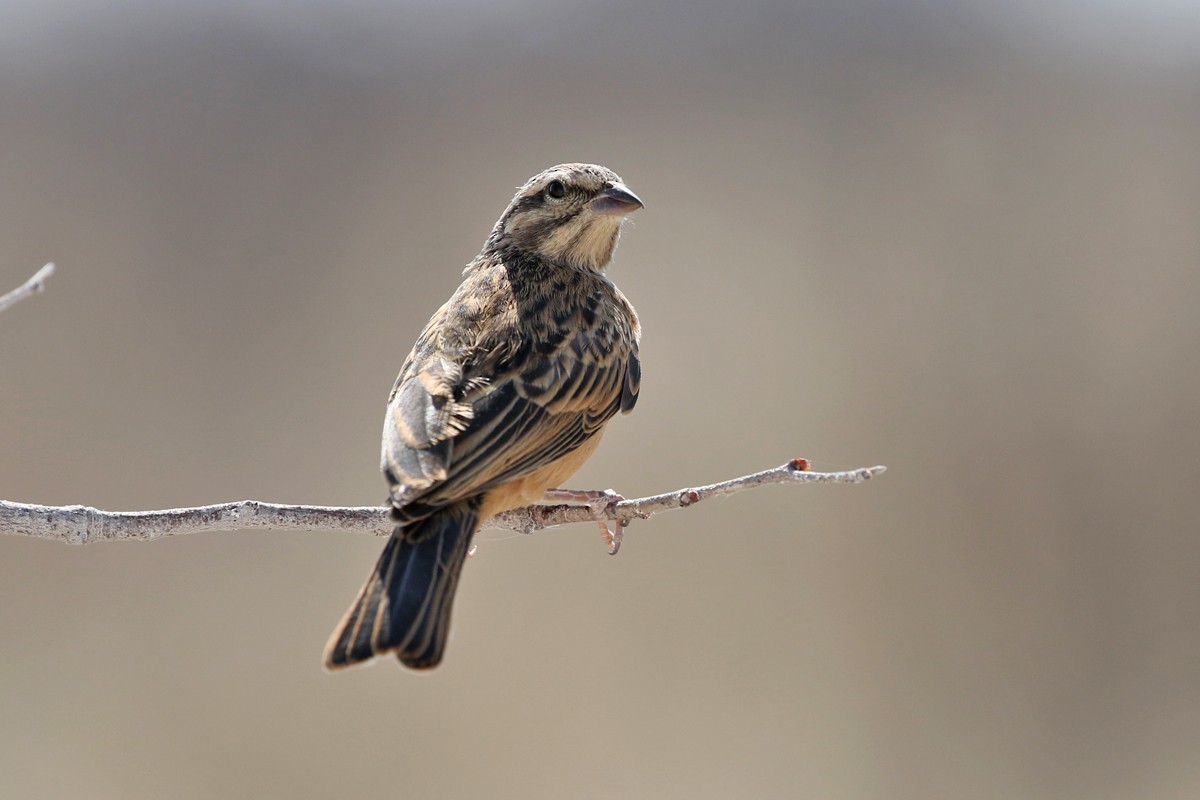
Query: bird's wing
[{"x": 461, "y": 422}]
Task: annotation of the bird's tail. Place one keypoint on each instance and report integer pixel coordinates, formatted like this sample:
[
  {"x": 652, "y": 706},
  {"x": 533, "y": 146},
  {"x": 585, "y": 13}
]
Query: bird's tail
[{"x": 405, "y": 605}]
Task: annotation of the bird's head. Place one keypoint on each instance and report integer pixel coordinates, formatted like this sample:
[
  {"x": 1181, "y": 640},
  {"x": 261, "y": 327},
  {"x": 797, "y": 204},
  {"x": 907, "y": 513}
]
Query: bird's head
[{"x": 570, "y": 215}]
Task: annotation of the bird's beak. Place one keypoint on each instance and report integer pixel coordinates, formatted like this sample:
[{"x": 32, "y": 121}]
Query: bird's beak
[{"x": 616, "y": 199}]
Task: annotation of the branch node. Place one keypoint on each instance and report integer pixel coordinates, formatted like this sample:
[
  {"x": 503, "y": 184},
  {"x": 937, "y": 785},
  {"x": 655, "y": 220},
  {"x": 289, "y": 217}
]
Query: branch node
[{"x": 35, "y": 284}]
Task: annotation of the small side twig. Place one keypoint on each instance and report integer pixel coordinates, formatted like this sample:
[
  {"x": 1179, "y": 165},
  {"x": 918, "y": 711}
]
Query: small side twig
[
  {"x": 27, "y": 289},
  {"x": 84, "y": 525}
]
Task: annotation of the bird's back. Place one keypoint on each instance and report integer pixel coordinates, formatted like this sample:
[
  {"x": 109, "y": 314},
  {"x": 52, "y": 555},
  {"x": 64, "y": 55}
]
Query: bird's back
[{"x": 520, "y": 368}]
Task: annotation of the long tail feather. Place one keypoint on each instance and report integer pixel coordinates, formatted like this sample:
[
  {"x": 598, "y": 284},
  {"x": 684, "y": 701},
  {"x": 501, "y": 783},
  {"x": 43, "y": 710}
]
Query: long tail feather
[{"x": 405, "y": 605}]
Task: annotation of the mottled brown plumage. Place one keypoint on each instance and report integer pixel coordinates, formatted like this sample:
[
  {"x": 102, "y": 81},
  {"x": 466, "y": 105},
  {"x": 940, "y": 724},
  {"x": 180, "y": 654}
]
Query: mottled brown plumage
[{"x": 503, "y": 397}]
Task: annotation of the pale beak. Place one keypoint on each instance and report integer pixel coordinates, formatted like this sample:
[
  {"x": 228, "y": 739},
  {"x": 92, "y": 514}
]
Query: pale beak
[{"x": 616, "y": 199}]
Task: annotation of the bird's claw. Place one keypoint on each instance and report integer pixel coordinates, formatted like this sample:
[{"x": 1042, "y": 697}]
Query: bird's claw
[{"x": 599, "y": 502}]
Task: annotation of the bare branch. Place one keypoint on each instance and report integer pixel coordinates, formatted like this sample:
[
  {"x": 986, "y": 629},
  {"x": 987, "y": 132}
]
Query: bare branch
[
  {"x": 535, "y": 518},
  {"x": 83, "y": 524},
  {"x": 27, "y": 289}
]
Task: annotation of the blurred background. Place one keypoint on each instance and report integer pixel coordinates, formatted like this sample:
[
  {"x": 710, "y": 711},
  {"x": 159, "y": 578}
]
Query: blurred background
[{"x": 960, "y": 239}]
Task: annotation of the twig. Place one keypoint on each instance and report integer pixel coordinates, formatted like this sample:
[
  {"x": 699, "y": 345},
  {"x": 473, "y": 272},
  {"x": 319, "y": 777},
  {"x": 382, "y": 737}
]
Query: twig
[
  {"x": 535, "y": 518},
  {"x": 27, "y": 289},
  {"x": 83, "y": 524}
]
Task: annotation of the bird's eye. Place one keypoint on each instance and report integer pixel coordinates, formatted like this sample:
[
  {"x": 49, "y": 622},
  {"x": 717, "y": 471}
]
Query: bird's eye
[{"x": 556, "y": 190}]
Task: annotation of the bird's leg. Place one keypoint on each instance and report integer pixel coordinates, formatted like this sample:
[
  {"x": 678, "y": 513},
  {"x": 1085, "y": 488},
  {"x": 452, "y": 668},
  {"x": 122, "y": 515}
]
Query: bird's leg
[{"x": 598, "y": 501}]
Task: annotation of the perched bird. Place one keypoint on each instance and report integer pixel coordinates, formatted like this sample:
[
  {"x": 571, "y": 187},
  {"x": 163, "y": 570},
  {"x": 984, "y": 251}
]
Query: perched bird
[{"x": 503, "y": 397}]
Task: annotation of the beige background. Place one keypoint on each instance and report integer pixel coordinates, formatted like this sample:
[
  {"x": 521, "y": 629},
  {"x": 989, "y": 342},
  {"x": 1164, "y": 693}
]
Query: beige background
[{"x": 957, "y": 241}]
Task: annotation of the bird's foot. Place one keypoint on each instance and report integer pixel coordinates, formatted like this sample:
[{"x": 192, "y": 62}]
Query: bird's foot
[{"x": 599, "y": 502}]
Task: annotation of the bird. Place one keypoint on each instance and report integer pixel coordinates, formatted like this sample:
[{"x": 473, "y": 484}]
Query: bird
[{"x": 503, "y": 397}]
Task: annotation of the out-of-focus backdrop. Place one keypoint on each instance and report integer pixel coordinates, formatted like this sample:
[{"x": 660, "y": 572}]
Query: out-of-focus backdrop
[{"x": 957, "y": 238}]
